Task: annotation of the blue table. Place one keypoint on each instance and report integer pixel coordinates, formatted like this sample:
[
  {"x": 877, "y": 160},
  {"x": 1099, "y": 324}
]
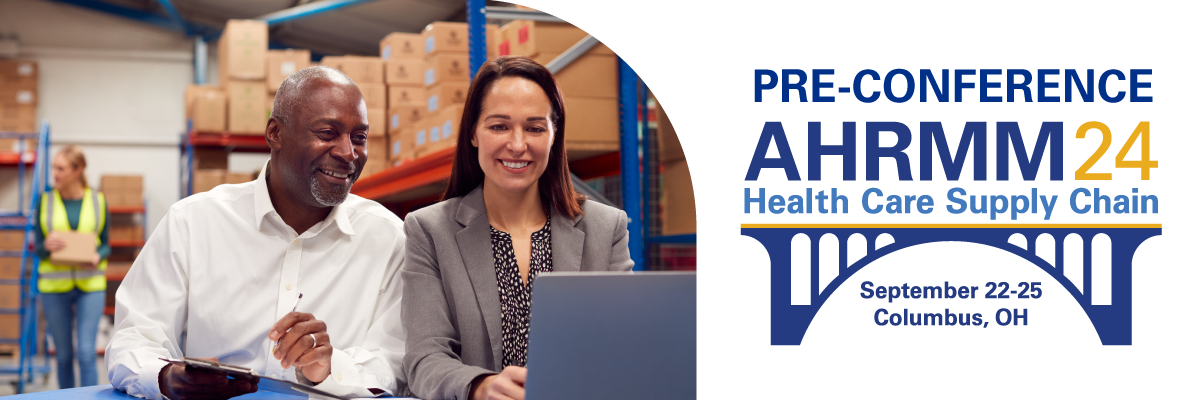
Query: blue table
[{"x": 106, "y": 392}]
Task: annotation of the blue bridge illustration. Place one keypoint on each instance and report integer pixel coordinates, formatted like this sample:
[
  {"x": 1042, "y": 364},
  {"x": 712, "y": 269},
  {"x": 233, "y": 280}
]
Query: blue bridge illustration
[{"x": 1107, "y": 258}]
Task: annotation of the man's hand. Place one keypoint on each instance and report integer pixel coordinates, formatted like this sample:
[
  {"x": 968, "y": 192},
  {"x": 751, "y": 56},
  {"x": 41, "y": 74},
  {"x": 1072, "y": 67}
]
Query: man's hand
[
  {"x": 297, "y": 346},
  {"x": 54, "y": 242},
  {"x": 509, "y": 384},
  {"x": 180, "y": 382}
]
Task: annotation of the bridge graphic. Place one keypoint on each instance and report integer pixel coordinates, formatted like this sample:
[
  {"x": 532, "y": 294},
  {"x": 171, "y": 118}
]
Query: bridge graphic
[{"x": 1100, "y": 280}]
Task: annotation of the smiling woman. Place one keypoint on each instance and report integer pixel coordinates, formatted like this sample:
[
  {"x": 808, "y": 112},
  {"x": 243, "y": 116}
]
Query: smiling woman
[{"x": 509, "y": 214}]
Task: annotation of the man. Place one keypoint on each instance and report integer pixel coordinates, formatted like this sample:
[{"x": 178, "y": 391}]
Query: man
[{"x": 222, "y": 272}]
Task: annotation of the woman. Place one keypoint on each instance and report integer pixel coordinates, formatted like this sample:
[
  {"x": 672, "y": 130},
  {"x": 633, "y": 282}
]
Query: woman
[
  {"x": 72, "y": 206},
  {"x": 509, "y": 214}
]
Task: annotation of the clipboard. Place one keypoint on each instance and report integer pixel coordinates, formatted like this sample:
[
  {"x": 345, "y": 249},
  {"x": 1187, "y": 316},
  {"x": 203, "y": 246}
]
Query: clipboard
[{"x": 264, "y": 382}]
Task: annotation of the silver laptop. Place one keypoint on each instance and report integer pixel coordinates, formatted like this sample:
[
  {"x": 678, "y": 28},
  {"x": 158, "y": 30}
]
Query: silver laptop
[{"x": 612, "y": 336}]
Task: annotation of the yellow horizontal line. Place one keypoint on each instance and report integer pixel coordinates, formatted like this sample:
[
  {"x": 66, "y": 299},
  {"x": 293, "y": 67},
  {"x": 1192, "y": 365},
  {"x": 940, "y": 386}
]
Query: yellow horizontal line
[{"x": 959, "y": 226}]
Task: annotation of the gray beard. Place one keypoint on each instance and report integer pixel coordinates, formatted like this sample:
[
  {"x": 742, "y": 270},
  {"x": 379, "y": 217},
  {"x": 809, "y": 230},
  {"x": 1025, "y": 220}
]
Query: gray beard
[{"x": 328, "y": 198}]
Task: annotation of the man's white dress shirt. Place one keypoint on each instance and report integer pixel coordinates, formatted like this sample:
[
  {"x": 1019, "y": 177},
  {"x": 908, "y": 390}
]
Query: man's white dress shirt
[{"x": 222, "y": 267}]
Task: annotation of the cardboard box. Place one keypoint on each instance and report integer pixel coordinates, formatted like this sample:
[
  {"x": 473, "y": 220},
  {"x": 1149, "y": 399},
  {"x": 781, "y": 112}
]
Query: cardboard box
[
  {"x": 18, "y": 71},
  {"x": 679, "y": 202},
  {"x": 204, "y": 180},
  {"x": 10, "y": 326},
  {"x": 446, "y": 94},
  {"x": 282, "y": 63},
  {"x": 270, "y": 105},
  {"x": 406, "y": 95},
  {"x": 405, "y": 71},
  {"x": 399, "y": 46},
  {"x": 247, "y": 107},
  {"x": 10, "y": 296},
  {"x": 441, "y": 129},
  {"x": 10, "y": 267},
  {"x": 79, "y": 250},
  {"x": 376, "y": 122},
  {"x": 445, "y": 37},
  {"x": 359, "y": 69},
  {"x": 493, "y": 41},
  {"x": 210, "y": 158},
  {"x": 16, "y": 145},
  {"x": 19, "y": 94},
  {"x": 447, "y": 68},
  {"x": 530, "y": 38},
  {"x": 373, "y": 167},
  {"x": 592, "y": 75},
  {"x": 18, "y": 118},
  {"x": 126, "y": 233},
  {"x": 375, "y": 94},
  {"x": 12, "y": 240},
  {"x": 669, "y": 148},
  {"x": 405, "y": 116},
  {"x": 377, "y": 149},
  {"x": 206, "y": 108},
  {"x": 403, "y": 145},
  {"x": 238, "y": 177},
  {"x": 592, "y": 120},
  {"x": 242, "y": 51},
  {"x": 122, "y": 190}
]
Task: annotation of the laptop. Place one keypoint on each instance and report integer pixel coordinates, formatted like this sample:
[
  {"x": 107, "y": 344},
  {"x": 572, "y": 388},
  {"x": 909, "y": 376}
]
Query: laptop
[{"x": 612, "y": 336}]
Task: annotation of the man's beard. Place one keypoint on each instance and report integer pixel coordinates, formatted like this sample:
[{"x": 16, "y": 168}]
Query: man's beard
[{"x": 333, "y": 196}]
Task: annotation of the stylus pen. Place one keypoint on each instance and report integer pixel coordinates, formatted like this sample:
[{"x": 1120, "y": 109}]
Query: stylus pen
[{"x": 297, "y": 304}]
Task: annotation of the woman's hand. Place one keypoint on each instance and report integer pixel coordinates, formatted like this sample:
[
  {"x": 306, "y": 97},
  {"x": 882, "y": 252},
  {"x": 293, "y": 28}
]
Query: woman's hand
[
  {"x": 95, "y": 262},
  {"x": 54, "y": 242},
  {"x": 509, "y": 384}
]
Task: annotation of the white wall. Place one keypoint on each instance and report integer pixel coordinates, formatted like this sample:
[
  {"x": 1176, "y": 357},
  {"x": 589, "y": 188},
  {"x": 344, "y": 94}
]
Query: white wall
[{"x": 114, "y": 87}]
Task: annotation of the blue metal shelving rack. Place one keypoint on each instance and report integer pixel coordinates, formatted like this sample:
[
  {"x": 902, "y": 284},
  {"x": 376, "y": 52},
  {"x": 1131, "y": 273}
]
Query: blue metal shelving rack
[{"x": 24, "y": 219}]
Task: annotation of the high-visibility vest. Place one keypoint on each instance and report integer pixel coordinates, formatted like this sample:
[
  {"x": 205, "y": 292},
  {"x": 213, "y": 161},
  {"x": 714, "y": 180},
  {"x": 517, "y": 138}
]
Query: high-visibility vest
[{"x": 62, "y": 278}]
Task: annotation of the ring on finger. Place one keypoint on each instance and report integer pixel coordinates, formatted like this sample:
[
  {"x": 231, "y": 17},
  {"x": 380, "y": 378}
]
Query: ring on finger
[{"x": 314, "y": 338}]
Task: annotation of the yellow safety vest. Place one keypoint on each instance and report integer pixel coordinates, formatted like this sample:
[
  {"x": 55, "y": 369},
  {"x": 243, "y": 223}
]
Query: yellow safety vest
[{"x": 62, "y": 278}]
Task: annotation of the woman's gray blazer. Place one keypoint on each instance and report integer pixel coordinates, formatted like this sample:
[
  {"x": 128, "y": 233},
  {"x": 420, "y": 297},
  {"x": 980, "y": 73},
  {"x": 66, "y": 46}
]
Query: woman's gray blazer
[{"x": 451, "y": 307}]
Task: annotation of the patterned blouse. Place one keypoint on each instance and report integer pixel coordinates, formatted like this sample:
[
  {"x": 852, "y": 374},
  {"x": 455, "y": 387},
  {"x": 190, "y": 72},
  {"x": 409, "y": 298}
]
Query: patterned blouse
[{"x": 514, "y": 296}]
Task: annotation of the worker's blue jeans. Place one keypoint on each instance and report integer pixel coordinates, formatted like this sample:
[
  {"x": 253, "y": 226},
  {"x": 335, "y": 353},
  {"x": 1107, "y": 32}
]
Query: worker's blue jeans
[{"x": 84, "y": 309}]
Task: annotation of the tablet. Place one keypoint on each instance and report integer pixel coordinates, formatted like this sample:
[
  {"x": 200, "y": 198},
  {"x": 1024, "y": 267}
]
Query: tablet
[{"x": 264, "y": 383}]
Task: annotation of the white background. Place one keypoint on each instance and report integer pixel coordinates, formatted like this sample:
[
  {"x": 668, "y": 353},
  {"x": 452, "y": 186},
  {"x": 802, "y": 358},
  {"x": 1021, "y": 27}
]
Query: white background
[{"x": 700, "y": 61}]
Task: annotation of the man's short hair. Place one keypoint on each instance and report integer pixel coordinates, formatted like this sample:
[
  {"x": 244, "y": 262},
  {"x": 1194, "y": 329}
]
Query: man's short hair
[{"x": 291, "y": 92}]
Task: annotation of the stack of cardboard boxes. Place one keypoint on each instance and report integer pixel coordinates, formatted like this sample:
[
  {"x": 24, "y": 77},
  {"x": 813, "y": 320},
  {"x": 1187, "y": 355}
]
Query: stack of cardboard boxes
[
  {"x": 678, "y": 200},
  {"x": 18, "y": 101},
  {"x": 403, "y": 57},
  {"x": 210, "y": 168},
  {"x": 589, "y": 83},
  {"x": 367, "y": 73},
  {"x": 447, "y": 78},
  {"x": 10, "y": 271},
  {"x": 123, "y": 191},
  {"x": 240, "y": 103}
]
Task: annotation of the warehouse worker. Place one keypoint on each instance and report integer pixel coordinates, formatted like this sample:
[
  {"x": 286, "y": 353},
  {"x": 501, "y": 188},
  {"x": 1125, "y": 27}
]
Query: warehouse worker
[
  {"x": 72, "y": 206},
  {"x": 221, "y": 274}
]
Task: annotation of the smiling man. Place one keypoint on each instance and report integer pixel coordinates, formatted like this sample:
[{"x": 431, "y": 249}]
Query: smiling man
[{"x": 223, "y": 270}]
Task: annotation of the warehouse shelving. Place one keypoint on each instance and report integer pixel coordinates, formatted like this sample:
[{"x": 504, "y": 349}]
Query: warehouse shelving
[
  {"x": 24, "y": 221},
  {"x": 224, "y": 140}
]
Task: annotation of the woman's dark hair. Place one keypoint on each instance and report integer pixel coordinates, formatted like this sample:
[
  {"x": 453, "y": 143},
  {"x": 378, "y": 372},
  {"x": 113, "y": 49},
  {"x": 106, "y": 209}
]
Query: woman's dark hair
[{"x": 555, "y": 183}]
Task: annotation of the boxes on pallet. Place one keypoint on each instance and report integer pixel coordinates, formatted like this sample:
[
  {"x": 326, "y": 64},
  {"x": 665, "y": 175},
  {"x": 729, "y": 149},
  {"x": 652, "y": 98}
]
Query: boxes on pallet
[
  {"x": 358, "y": 68},
  {"x": 402, "y": 145},
  {"x": 10, "y": 326},
  {"x": 376, "y": 156},
  {"x": 18, "y": 71},
  {"x": 679, "y": 202},
  {"x": 441, "y": 130},
  {"x": 405, "y": 95},
  {"x": 669, "y": 148},
  {"x": 591, "y": 75},
  {"x": 531, "y": 38},
  {"x": 18, "y": 118},
  {"x": 445, "y": 94},
  {"x": 12, "y": 240},
  {"x": 247, "y": 107},
  {"x": 126, "y": 233},
  {"x": 399, "y": 46},
  {"x": 206, "y": 107},
  {"x": 447, "y": 68},
  {"x": 405, "y": 116},
  {"x": 10, "y": 267},
  {"x": 210, "y": 158},
  {"x": 10, "y": 296},
  {"x": 377, "y": 122},
  {"x": 122, "y": 190},
  {"x": 204, "y": 180},
  {"x": 445, "y": 37},
  {"x": 592, "y": 120},
  {"x": 242, "y": 51},
  {"x": 405, "y": 71},
  {"x": 19, "y": 94},
  {"x": 375, "y": 94},
  {"x": 282, "y": 63}
]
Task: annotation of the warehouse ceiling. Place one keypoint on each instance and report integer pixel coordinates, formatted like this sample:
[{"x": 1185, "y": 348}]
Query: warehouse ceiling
[{"x": 353, "y": 29}]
